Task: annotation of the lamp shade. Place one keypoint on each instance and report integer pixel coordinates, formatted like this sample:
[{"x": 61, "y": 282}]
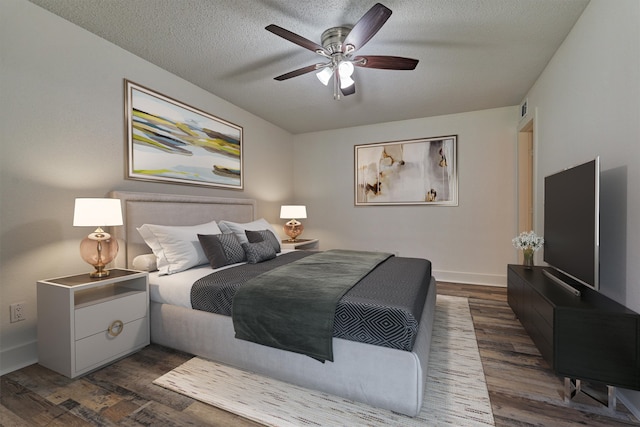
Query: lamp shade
[
  {"x": 325, "y": 75},
  {"x": 91, "y": 212},
  {"x": 345, "y": 69},
  {"x": 293, "y": 211}
]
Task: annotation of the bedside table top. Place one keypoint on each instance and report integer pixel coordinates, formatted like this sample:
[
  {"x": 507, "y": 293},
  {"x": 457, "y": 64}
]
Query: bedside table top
[
  {"x": 300, "y": 244},
  {"x": 83, "y": 279},
  {"x": 302, "y": 241}
]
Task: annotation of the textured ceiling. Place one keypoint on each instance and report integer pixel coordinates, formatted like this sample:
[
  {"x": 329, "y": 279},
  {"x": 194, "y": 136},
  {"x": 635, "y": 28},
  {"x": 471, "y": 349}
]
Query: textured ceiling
[{"x": 474, "y": 54}]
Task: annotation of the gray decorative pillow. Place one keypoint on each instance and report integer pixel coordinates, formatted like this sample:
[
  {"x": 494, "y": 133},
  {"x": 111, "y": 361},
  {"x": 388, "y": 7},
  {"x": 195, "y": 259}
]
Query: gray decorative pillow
[
  {"x": 259, "y": 251},
  {"x": 263, "y": 235},
  {"x": 222, "y": 249}
]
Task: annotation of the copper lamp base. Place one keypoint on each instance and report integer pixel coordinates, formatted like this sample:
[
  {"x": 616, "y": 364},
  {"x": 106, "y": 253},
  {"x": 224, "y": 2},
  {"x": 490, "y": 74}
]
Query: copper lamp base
[
  {"x": 98, "y": 249},
  {"x": 293, "y": 229}
]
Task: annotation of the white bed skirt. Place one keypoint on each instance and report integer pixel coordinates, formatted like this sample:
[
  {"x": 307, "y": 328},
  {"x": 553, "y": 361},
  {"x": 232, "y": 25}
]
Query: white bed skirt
[{"x": 379, "y": 376}]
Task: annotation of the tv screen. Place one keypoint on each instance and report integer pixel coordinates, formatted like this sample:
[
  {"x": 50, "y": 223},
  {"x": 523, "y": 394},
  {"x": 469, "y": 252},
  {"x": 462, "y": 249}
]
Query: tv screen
[{"x": 571, "y": 222}]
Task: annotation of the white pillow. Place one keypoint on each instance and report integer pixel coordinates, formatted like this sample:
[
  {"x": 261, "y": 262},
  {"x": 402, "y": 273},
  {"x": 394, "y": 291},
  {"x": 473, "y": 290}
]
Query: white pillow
[
  {"x": 146, "y": 262},
  {"x": 238, "y": 229},
  {"x": 177, "y": 248}
]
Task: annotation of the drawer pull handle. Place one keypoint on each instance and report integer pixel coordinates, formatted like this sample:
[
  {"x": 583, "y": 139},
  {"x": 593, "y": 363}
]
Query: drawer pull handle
[{"x": 115, "y": 328}]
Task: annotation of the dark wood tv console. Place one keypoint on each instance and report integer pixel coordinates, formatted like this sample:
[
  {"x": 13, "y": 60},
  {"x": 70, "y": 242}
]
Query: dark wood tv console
[{"x": 588, "y": 337}]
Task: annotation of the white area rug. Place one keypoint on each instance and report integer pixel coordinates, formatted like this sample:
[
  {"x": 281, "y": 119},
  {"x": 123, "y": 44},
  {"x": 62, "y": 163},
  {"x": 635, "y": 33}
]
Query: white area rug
[{"x": 456, "y": 392}]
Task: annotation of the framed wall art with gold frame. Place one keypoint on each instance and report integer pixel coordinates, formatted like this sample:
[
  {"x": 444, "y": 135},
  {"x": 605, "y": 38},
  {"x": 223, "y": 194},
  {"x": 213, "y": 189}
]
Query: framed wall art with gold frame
[
  {"x": 172, "y": 142},
  {"x": 411, "y": 172}
]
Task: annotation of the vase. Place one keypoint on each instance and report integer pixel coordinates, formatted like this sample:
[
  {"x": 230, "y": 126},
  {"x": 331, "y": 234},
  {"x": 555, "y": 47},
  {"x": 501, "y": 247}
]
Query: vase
[{"x": 528, "y": 258}]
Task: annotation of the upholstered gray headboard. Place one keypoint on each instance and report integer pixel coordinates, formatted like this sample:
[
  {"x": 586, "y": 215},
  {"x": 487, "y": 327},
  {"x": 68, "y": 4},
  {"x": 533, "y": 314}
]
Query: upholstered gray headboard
[{"x": 170, "y": 209}]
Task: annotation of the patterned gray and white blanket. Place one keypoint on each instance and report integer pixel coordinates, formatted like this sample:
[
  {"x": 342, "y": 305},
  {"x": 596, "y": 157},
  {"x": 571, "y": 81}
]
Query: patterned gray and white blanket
[{"x": 381, "y": 309}]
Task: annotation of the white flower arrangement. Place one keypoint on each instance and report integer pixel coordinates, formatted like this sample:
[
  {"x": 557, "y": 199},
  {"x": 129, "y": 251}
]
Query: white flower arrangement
[{"x": 528, "y": 240}]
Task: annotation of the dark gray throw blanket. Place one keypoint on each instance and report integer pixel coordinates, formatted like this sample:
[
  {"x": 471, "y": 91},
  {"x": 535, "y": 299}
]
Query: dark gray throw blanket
[{"x": 293, "y": 306}]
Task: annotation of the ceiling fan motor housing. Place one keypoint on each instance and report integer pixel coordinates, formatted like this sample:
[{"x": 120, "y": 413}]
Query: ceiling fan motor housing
[{"x": 333, "y": 38}]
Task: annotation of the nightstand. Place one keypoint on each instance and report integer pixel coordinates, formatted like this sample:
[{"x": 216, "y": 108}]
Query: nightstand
[
  {"x": 85, "y": 323},
  {"x": 303, "y": 244}
]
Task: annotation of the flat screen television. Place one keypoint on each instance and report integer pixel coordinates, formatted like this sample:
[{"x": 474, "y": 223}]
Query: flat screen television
[{"x": 571, "y": 222}]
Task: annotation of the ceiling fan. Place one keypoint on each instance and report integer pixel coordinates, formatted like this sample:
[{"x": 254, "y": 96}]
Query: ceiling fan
[{"x": 339, "y": 45}]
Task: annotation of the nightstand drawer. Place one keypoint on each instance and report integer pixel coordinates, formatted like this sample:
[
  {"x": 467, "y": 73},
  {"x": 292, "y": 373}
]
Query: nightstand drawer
[
  {"x": 100, "y": 348},
  {"x": 96, "y": 318}
]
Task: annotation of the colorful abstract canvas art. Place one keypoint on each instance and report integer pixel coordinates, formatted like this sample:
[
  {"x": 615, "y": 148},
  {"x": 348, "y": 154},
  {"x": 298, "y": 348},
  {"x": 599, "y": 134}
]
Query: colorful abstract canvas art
[{"x": 168, "y": 141}]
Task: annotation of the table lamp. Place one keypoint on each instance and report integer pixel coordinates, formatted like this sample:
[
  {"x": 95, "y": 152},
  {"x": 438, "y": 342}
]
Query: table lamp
[
  {"x": 98, "y": 248},
  {"x": 293, "y": 228}
]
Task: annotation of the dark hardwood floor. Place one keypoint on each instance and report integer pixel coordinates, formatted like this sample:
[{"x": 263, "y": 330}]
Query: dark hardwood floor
[{"x": 522, "y": 388}]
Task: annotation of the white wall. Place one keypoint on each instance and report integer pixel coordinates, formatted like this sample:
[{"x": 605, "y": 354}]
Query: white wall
[
  {"x": 588, "y": 104},
  {"x": 469, "y": 243},
  {"x": 62, "y": 124}
]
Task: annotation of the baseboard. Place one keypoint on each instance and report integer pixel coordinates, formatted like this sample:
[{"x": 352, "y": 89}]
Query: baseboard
[
  {"x": 471, "y": 278},
  {"x": 14, "y": 358}
]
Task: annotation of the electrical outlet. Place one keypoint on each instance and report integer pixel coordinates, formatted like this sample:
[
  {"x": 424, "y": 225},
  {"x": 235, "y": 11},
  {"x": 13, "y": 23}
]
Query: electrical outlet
[{"x": 17, "y": 312}]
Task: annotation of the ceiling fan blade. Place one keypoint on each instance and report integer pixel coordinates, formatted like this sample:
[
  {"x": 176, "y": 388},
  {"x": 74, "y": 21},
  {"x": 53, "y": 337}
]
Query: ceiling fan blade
[
  {"x": 294, "y": 38},
  {"x": 385, "y": 62},
  {"x": 367, "y": 26},
  {"x": 298, "y": 72}
]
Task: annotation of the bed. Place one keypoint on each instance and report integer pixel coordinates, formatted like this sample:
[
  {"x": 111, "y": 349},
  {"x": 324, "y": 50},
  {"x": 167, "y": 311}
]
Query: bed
[{"x": 380, "y": 376}]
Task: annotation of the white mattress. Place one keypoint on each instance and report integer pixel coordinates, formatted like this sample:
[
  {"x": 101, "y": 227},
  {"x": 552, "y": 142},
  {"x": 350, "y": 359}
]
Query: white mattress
[{"x": 175, "y": 289}]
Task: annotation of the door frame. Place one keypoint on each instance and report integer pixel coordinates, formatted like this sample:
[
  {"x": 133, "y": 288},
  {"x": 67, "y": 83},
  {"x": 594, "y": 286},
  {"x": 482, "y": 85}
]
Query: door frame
[{"x": 525, "y": 174}]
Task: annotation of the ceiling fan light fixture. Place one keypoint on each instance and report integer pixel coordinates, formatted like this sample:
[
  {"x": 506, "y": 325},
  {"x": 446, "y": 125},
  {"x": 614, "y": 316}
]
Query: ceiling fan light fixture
[
  {"x": 324, "y": 75},
  {"x": 346, "y": 82},
  {"x": 345, "y": 69}
]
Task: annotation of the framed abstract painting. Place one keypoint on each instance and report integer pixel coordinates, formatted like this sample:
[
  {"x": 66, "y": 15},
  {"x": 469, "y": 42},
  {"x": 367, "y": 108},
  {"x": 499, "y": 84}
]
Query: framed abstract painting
[
  {"x": 412, "y": 172},
  {"x": 171, "y": 142}
]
